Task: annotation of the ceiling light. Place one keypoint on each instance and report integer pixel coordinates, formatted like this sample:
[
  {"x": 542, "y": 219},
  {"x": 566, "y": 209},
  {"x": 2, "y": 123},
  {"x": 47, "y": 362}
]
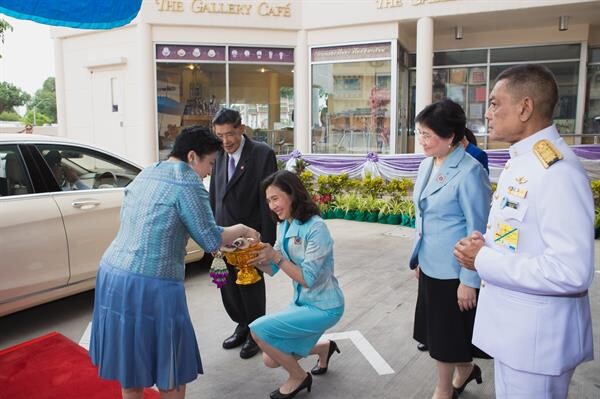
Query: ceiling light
[
  {"x": 563, "y": 23},
  {"x": 458, "y": 32}
]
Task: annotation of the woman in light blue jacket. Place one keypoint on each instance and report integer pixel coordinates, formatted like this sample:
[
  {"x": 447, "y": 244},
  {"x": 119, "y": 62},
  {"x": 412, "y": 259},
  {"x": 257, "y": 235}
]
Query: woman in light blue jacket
[
  {"x": 452, "y": 199},
  {"x": 303, "y": 251}
]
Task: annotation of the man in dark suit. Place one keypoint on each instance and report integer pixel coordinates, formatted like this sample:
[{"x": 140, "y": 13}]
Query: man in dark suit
[{"x": 236, "y": 197}]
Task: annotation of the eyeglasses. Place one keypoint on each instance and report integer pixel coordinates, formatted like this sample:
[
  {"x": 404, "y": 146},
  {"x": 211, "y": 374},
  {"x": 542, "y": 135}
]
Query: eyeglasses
[{"x": 423, "y": 136}]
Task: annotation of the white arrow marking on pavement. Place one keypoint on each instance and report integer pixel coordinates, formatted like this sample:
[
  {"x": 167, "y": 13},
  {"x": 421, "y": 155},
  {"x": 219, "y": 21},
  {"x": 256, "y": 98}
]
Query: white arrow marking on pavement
[
  {"x": 85, "y": 338},
  {"x": 373, "y": 357}
]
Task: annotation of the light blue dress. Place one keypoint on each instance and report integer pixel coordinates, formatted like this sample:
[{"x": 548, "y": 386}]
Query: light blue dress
[
  {"x": 141, "y": 330},
  {"x": 297, "y": 328}
]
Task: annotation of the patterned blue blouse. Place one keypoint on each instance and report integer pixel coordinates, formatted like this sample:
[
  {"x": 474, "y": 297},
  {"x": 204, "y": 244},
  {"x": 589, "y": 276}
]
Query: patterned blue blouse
[{"x": 162, "y": 207}]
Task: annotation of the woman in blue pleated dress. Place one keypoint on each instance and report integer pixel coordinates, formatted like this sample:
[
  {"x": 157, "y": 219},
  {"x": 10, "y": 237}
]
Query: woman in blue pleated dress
[
  {"x": 142, "y": 334},
  {"x": 304, "y": 252}
]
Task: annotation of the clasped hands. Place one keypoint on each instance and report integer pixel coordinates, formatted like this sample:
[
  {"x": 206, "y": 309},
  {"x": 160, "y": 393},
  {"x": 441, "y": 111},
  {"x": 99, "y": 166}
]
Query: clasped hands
[{"x": 467, "y": 249}]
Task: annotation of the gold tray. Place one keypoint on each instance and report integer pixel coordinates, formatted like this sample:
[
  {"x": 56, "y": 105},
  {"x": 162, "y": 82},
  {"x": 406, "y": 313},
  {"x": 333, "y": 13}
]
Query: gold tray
[{"x": 240, "y": 258}]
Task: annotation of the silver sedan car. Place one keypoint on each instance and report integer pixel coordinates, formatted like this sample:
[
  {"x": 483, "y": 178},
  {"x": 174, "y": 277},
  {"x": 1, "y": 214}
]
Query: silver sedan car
[{"x": 59, "y": 211}]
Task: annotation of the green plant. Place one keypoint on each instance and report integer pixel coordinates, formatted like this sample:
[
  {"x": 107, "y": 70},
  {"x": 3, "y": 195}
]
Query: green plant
[
  {"x": 373, "y": 186},
  {"x": 597, "y": 218},
  {"x": 595, "y": 184},
  {"x": 399, "y": 188},
  {"x": 280, "y": 164},
  {"x": 307, "y": 179}
]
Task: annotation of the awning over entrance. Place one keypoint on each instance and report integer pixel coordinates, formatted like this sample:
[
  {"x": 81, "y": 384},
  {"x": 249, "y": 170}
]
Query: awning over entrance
[{"x": 82, "y": 14}]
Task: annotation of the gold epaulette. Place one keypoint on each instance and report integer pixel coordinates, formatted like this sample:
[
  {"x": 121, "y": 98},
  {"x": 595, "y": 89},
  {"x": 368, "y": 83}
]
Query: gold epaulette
[{"x": 547, "y": 153}]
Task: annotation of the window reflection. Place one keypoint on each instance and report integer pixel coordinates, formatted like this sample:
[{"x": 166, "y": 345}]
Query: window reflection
[
  {"x": 351, "y": 107},
  {"x": 264, "y": 95}
]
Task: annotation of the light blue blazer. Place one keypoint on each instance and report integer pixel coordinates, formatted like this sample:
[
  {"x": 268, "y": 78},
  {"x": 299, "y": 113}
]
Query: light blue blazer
[
  {"x": 310, "y": 247},
  {"x": 454, "y": 204}
]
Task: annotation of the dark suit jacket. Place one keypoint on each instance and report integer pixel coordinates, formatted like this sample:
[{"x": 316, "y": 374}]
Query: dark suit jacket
[{"x": 241, "y": 200}]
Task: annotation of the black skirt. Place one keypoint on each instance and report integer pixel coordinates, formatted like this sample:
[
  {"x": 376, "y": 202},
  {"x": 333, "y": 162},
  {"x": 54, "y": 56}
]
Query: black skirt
[{"x": 441, "y": 325}]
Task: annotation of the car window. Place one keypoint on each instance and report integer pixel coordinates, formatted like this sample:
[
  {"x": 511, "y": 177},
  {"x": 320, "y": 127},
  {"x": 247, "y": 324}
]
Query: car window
[
  {"x": 14, "y": 179},
  {"x": 78, "y": 168}
]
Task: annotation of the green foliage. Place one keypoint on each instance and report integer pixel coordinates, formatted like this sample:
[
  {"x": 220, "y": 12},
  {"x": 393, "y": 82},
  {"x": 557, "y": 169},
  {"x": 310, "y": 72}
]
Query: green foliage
[
  {"x": 372, "y": 186},
  {"x": 596, "y": 191},
  {"x": 597, "y": 218},
  {"x": 40, "y": 119},
  {"x": 399, "y": 188},
  {"x": 346, "y": 202},
  {"x": 333, "y": 185},
  {"x": 11, "y": 96},
  {"x": 280, "y": 164},
  {"x": 10, "y": 116},
  {"x": 307, "y": 179},
  {"x": 4, "y": 26},
  {"x": 44, "y": 100}
]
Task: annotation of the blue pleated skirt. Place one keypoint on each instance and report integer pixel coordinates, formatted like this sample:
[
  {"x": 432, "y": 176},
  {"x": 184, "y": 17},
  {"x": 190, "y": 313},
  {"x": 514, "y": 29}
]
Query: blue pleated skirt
[
  {"x": 142, "y": 334},
  {"x": 296, "y": 329}
]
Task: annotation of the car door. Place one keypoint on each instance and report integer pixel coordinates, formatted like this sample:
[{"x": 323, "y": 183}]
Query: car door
[
  {"x": 33, "y": 244},
  {"x": 91, "y": 192}
]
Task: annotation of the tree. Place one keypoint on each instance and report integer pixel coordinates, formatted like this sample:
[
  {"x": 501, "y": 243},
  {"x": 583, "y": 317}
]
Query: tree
[
  {"x": 4, "y": 26},
  {"x": 11, "y": 96},
  {"x": 44, "y": 101}
]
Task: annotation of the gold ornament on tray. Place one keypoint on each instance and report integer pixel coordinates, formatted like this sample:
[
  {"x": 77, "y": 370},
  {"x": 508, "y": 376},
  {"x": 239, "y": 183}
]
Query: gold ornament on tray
[{"x": 239, "y": 254}]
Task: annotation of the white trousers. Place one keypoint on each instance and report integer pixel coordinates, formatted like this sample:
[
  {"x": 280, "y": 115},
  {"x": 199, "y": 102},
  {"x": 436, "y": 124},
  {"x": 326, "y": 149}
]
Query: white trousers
[{"x": 515, "y": 384}]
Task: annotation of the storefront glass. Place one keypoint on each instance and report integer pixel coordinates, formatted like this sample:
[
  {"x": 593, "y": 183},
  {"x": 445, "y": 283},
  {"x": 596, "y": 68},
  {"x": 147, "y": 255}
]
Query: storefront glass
[
  {"x": 469, "y": 85},
  {"x": 264, "y": 95},
  {"x": 591, "y": 122},
  {"x": 192, "y": 85},
  {"x": 351, "y": 99}
]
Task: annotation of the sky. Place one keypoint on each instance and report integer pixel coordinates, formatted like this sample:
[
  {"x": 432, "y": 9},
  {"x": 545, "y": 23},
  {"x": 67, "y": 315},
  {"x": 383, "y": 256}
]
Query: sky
[{"x": 27, "y": 55}]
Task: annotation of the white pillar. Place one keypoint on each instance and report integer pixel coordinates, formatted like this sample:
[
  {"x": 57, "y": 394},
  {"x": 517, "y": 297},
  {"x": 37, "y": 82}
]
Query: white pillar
[
  {"x": 59, "y": 81},
  {"x": 581, "y": 88},
  {"x": 301, "y": 94},
  {"x": 147, "y": 137},
  {"x": 424, "y": 68}
]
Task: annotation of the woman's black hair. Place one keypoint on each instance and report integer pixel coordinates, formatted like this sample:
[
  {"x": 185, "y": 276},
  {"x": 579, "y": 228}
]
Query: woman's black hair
[
  {"x": 470, "y": 136},
  {"x": 197, "y": 139},
  {"x": 303, "y": 207},
  {"x": 445, "y": 118}
]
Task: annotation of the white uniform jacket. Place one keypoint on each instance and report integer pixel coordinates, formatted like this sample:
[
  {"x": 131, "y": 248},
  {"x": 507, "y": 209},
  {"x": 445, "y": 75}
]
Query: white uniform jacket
[{"x": 533, "y": 312}]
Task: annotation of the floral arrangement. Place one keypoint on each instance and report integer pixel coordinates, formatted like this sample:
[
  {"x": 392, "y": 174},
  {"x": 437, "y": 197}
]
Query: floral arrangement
[{"x": 218, "y": 270}]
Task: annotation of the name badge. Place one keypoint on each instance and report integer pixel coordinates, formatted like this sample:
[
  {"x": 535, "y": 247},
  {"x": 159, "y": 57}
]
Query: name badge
[
  {"x": 507, "y": 236},
  {"x": 297, "y": 240}
]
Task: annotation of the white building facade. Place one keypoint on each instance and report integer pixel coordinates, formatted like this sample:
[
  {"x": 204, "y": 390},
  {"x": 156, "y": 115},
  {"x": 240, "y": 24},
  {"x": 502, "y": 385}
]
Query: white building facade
[{"x": 318, "y": 76}]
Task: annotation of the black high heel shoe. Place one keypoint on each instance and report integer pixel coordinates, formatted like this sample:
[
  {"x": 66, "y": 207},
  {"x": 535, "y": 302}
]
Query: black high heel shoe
[
  {"x": 322, "y": 370},
  {"x": 475, "y": 375},
  {"x": 307, "y": 383}
]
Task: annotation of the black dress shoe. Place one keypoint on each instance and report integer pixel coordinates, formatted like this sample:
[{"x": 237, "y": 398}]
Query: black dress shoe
[
  {"x": 235, "y": 340},
  {"x": 322, "y": 370},
  {"x": 249, "y": 349},
  {"x": 475, "y": 375},
  {"x": 422, "y": 347},
  {"x": 307, "y": 383}
]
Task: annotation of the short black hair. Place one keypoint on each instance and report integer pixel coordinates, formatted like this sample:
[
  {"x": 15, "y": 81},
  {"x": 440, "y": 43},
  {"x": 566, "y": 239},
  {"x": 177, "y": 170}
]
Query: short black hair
[
  {"x": 227, "y": 116},
  {"x": 445, "y": 118},
  {"x": 535, "y": 81},
  {"x": 303, "y": 207},
  {"x": 53, "y": 158},
  {"x": 197, "y": 139}
]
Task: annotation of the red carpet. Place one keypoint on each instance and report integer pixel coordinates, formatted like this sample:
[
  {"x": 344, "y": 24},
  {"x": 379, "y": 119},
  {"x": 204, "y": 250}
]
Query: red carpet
[{"x": 54, "y": 367}]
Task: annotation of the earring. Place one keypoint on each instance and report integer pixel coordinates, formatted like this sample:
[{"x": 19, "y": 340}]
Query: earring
[{"x": 449, "y": 145}]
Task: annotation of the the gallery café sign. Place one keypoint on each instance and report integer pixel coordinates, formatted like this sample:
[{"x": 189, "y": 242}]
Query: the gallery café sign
[{"x": 263, "y": 8}]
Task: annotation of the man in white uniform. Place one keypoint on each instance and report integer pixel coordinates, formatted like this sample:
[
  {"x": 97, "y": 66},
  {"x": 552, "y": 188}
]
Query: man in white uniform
[{"x": 536, "y": 260}]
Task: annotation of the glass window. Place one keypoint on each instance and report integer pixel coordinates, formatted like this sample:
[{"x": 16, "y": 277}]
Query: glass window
[
  {"x": 465, "y": 85},
  {"x": 14, "y": 179},
  {"x": 460, "y": 57},
  {"x": 351, "y": 107},
  {"x": 567, "y": 78},
  {"x": 264, "y": 95},
  {"x": 591, "y": 123},
  {"x": 76, "y": 168},
  {"x": 535, "y": 53},
  {"x": 187, "y": 94},
  {"x": 594, "y": 55}
]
